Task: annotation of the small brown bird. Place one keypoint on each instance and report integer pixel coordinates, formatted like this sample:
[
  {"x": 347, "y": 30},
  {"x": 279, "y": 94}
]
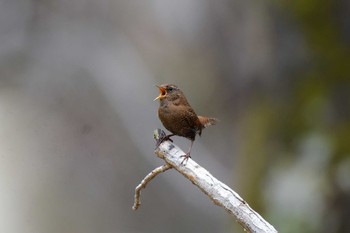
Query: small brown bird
[{"x": 178, "y": 117}]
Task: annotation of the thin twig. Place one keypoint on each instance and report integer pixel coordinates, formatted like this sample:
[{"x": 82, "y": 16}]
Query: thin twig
[{"x": 145, "y": 181}]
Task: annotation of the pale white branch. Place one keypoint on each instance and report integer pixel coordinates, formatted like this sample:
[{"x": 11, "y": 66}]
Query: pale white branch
[{"x": 218, "y": 192}]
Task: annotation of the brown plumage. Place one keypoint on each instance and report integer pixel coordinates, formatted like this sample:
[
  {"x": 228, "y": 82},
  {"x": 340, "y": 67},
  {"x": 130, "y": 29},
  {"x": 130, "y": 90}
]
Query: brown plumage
[{"x": 178, "y": 117}]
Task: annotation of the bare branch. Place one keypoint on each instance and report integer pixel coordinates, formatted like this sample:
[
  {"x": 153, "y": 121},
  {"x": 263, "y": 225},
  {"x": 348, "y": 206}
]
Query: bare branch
[
  {"x": 218, "y": 192},
  {"x": 145, "y": 181}
]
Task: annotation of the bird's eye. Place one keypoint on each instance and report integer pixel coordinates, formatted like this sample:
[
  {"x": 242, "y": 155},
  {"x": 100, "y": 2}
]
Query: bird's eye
[{"x": 170, "y": 89}]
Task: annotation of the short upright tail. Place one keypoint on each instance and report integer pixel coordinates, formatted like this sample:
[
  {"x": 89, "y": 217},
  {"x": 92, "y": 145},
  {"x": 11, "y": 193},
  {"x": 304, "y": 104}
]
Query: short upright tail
[{"x": 207, "y": 121}]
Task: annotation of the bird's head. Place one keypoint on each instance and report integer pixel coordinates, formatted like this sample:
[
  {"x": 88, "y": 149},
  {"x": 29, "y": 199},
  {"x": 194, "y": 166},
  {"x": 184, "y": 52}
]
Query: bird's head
[{"x": 168, "y": 91}]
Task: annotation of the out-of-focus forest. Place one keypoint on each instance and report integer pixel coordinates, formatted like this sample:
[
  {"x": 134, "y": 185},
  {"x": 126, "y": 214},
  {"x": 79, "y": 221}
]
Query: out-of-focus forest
[{"x": 76, "y": 112}]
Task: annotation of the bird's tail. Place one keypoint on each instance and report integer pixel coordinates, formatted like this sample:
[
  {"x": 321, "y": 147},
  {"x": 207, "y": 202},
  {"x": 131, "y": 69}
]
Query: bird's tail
[{"x": 207, "y": 121}]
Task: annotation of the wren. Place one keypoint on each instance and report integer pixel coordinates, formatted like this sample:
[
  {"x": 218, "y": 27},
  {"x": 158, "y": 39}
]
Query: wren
[{"x": 177, "y": 116}]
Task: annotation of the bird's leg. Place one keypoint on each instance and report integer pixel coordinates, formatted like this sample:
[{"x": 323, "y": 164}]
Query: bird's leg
[
  {"x": 163, "y": 139},
  {"x": 187, "y": 155}
]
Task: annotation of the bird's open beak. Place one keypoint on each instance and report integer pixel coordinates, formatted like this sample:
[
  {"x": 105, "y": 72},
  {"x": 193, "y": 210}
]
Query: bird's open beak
[{"x": 162, "y": 93}]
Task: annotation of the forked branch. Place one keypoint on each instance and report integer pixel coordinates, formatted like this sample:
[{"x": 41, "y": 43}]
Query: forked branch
[{"x": 218, "y": 192}]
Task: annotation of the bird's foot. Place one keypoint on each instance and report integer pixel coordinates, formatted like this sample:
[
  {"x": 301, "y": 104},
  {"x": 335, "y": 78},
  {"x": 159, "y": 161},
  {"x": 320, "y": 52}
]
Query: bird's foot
[
  {"x": 186, "y": 157},
  {"x": 163, "y": 138}
]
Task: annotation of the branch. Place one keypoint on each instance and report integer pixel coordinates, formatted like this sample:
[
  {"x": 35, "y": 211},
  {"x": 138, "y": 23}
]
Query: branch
[
  {"x": 144, "y": 183},
  {"x": 218, "y": 192}
]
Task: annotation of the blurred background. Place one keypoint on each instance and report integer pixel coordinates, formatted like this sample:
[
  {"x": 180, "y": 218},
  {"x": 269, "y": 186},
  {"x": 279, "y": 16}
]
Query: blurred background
[{"x": 76, "y": 88}]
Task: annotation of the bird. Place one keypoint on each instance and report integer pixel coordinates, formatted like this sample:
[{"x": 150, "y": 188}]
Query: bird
[{"x": 178, "y": 117}]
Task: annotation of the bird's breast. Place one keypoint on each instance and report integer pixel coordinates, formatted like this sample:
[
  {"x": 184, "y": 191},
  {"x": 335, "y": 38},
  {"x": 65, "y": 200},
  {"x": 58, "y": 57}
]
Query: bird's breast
[{"x": 180, "y": 120}]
